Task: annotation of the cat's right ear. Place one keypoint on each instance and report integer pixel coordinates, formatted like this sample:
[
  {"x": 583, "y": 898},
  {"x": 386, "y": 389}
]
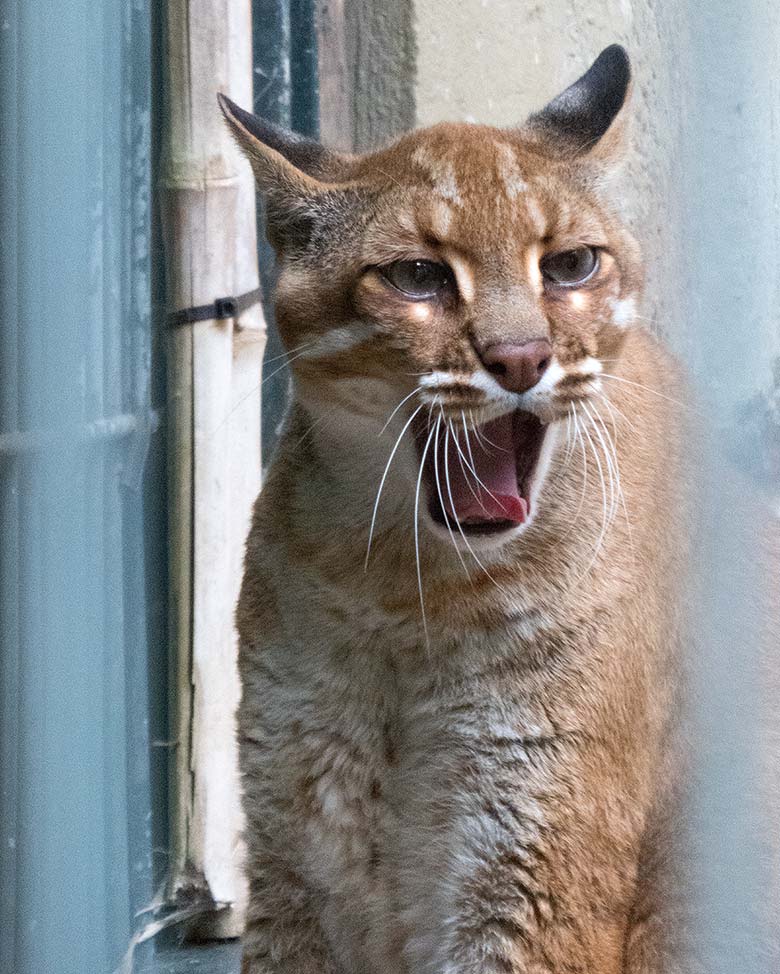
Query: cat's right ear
[
  {"x": 294, "y": 173},
  {"x": 588, "y": 119}
]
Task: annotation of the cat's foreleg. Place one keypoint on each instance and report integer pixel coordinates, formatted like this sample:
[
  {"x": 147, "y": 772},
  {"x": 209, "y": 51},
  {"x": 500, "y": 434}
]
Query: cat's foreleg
[
  {"x": 660, "y": 922},
  {"x": 282, "y": 931},
  {"x": 282, "y": 934},
  {"x": 526, "y": 896},
  {"x": 645, "y": 951},
  {"x": 654, "y": 946}
]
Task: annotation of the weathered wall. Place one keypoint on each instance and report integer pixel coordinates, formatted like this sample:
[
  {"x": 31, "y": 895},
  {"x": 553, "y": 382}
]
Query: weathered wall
[
  {"x": 384, "y": 57},
  {"x": 366, "y": 70}
]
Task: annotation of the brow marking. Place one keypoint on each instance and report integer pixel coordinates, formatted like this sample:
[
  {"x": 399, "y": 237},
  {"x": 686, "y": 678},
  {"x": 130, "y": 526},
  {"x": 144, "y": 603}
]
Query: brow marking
[
  {"x": 536, "y": 216},
  {"x": 533, "y": 257},
  {"x": 464, "y": 276},
  {"x": 441, "y": 218},
  {"x": 440, "y": 171},
  {"x": 509, "y": 172}
]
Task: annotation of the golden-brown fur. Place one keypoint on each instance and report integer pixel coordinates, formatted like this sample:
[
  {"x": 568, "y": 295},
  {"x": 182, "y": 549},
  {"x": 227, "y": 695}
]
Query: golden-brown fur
[{"x": 487, "y": 790}]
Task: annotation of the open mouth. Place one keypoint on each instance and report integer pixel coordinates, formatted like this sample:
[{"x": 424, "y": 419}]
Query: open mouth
[{"x": 480, "y": 482}]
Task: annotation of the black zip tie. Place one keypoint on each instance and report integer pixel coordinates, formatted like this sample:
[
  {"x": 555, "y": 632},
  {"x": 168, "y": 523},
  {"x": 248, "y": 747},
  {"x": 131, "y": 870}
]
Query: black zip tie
[{"x": 217, "y": 311}]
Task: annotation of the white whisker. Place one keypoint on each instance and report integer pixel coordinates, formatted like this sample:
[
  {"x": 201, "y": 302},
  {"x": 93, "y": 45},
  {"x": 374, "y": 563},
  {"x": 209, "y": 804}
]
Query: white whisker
[
  {"x": 482, "y": 439},
  {"x": 615, "y": 412},
  {"x": 618, "y": 483},
  {"x": 284, "y": 365},
  {"x": 451, "y": 432},
  {"x": 382, "y": 482},
  {"x": 390, "y": 417},
  {"x": 578, "y": 440},
  {"x": 609, "y": 465},
  {"x": 478, "y": 436},
  {"x": 638, "y": 385},
  {"x": 581, "y": 440},
  {"x": 312, "y": 426},
  {"x": 438, "y": 489},
  {"x": 472, "y": 465},
  {"x": 252, "y": 392},
  {"x": 569, "y": 439},
  {"x": 417, "y": 535},
  {"x": 603, "y": 531},
  {"x": 287, "y": 352},
  {"x": 461, "y": 458}
]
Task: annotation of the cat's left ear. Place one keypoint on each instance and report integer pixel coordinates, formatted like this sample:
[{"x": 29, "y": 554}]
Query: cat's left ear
[
  {"x": 278, "y": 153},
  {"x": 589, "y": 118},
  {"x": 297, "y": 175}
]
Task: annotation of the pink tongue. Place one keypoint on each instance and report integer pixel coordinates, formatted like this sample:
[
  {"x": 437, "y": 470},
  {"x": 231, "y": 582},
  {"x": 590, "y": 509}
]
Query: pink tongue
[{"x": 493, "y": 458}]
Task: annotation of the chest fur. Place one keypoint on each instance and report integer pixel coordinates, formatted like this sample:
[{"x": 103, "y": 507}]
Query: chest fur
[{"x": 390, "y": 787}]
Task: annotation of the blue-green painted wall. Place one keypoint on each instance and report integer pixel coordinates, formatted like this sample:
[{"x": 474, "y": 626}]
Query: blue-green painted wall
[{"x": 82, "y": 553}]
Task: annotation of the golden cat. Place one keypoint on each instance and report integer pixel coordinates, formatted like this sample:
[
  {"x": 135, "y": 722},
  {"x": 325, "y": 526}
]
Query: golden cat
[{"x": 459, "y": 624}]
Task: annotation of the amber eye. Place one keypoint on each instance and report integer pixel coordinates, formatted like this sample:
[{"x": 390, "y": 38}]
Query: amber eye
[
  {"x": 570, "y": 268},
  {"x": 418, "y": 279}
]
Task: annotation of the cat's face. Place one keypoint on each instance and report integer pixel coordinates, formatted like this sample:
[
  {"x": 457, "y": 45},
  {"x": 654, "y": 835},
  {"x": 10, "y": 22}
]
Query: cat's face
[{"x": 470, "y": 276}]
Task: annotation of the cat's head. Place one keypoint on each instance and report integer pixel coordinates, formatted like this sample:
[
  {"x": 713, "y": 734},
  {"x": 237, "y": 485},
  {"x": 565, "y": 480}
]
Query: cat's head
[{"x": 472, "y": 277}]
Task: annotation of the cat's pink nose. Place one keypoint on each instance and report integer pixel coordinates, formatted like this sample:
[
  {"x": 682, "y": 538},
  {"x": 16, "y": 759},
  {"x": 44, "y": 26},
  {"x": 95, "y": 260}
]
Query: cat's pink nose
[{"x": 517, "y": 367}]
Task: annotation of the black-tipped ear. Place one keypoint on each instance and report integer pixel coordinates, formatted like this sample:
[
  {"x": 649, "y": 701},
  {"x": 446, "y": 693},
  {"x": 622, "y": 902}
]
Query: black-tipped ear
[
  {"x": 297, "y": 176},
  {"x": 255, "y": 135},
  {"x": 579, "y": 118}
]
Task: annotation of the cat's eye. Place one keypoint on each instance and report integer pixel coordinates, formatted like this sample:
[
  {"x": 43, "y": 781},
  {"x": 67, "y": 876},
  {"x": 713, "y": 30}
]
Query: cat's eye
[
  {"x": 570, "y": 268},
  {"x": 418, "y": 279}
]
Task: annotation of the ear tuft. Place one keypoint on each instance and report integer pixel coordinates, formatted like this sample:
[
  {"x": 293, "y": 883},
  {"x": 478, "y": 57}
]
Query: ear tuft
[{"x": 581, "y": 116}]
